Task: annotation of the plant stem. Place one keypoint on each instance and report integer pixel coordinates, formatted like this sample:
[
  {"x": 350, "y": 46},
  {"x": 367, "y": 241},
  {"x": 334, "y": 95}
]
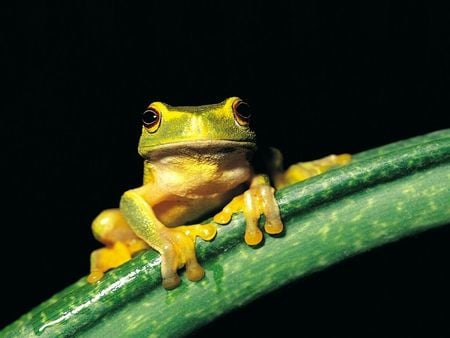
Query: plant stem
[{"x": 386, "y": 194}]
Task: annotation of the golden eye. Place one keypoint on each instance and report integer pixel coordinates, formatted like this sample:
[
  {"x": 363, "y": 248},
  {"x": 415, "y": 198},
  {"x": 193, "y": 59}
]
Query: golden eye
[
  {"x": 242, "y": 112},
  {"x": 151, "y": 119}
]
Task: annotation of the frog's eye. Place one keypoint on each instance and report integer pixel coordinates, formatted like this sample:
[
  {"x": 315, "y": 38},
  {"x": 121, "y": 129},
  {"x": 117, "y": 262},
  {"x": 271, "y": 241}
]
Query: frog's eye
[
  {"x": 151, "y": 119},
  {"x": 242, "y": 112}
]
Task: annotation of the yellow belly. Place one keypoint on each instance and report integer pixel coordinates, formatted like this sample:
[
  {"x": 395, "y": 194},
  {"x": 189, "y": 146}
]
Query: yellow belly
[{"x": 182, "y": 211}]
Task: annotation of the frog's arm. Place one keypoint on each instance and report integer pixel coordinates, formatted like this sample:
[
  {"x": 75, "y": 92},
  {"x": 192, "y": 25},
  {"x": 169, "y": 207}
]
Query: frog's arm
[
  {"x": 175, "y": 245},
  {"x": 385, "y": 194},
  {"x": 259, "y": 199}
]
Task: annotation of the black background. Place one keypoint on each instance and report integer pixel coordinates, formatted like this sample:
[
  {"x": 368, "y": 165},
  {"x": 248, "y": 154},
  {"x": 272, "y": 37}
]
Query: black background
[{"x": 321, "y": 78}]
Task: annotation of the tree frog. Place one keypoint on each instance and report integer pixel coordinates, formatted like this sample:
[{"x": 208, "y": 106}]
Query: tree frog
[{"x": 197, "y": 160}]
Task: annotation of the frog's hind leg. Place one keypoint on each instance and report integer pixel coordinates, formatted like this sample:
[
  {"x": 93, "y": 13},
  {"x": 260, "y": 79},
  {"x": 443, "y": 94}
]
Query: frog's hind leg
[
  {"x": 303, "y": 170},
  {"x": 111, "y": 229}
]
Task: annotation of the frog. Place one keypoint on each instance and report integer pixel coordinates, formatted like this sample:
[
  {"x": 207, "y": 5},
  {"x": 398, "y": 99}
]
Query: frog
[{"x": 198, "y": 160}]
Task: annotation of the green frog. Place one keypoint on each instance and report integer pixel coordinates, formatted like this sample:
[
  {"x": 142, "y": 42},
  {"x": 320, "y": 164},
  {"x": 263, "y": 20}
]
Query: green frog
[{"x": 197, "y": 160}]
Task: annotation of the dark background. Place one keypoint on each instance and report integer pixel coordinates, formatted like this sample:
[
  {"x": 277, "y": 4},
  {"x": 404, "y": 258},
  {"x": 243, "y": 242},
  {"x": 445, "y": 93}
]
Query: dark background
[{"x": 321, "y": 78}]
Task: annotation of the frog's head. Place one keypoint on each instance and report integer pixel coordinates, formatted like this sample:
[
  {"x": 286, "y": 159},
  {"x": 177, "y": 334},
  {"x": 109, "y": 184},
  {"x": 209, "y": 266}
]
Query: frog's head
[{"x": 225, "y": 126}]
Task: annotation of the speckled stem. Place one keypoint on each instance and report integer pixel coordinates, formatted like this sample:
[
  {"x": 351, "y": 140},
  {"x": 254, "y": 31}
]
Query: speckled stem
[{"x": 387, "y": 193}]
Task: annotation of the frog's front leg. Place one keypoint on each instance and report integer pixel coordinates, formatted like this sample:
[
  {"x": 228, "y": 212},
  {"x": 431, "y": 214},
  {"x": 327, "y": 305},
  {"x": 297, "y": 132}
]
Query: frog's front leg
[
  {"x": 176, "y": 245},
  {"x": 258, "y": 200}
]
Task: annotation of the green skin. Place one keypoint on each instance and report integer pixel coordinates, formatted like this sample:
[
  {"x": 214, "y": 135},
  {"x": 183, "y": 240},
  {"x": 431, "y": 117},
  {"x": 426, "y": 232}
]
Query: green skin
[
  {"x": 192, "y": 124},
  {"x": 386, "y": 194},
  {"x": 197, "y": 159}
]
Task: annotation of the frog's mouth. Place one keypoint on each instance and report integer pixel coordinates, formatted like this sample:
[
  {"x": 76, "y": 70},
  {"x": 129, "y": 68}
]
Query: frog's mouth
[{"x": 198, "y": 148}]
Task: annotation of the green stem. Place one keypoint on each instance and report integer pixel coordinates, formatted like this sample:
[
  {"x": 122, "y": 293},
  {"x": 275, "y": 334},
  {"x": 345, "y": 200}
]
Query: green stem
[{"x": 385, "y": 194}]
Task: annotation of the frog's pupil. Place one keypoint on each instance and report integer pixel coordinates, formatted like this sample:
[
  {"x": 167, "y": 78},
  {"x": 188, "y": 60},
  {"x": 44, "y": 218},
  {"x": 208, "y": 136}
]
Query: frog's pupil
[
  {"x": 243, "y": 110},
  {"x": 150, "y": 117}
]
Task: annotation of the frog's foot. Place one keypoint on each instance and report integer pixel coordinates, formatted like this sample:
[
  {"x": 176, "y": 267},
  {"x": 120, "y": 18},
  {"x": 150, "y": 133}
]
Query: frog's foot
[
  {"x": 178, "y": 250},
  {"x": 258, "y": 200},
  {"x": 121, "y": 243},
  {"x": 236, "y": 205},
  {"x": 107, "y": 258},
  {"x": 303, "y": 170}
]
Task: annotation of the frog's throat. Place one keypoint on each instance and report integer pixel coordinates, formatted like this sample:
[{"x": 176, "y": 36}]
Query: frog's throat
[{"x": 198, "y": 147}]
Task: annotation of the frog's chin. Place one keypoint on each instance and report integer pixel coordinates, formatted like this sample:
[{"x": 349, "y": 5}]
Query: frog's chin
[{"x": 198, "y": 147}]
